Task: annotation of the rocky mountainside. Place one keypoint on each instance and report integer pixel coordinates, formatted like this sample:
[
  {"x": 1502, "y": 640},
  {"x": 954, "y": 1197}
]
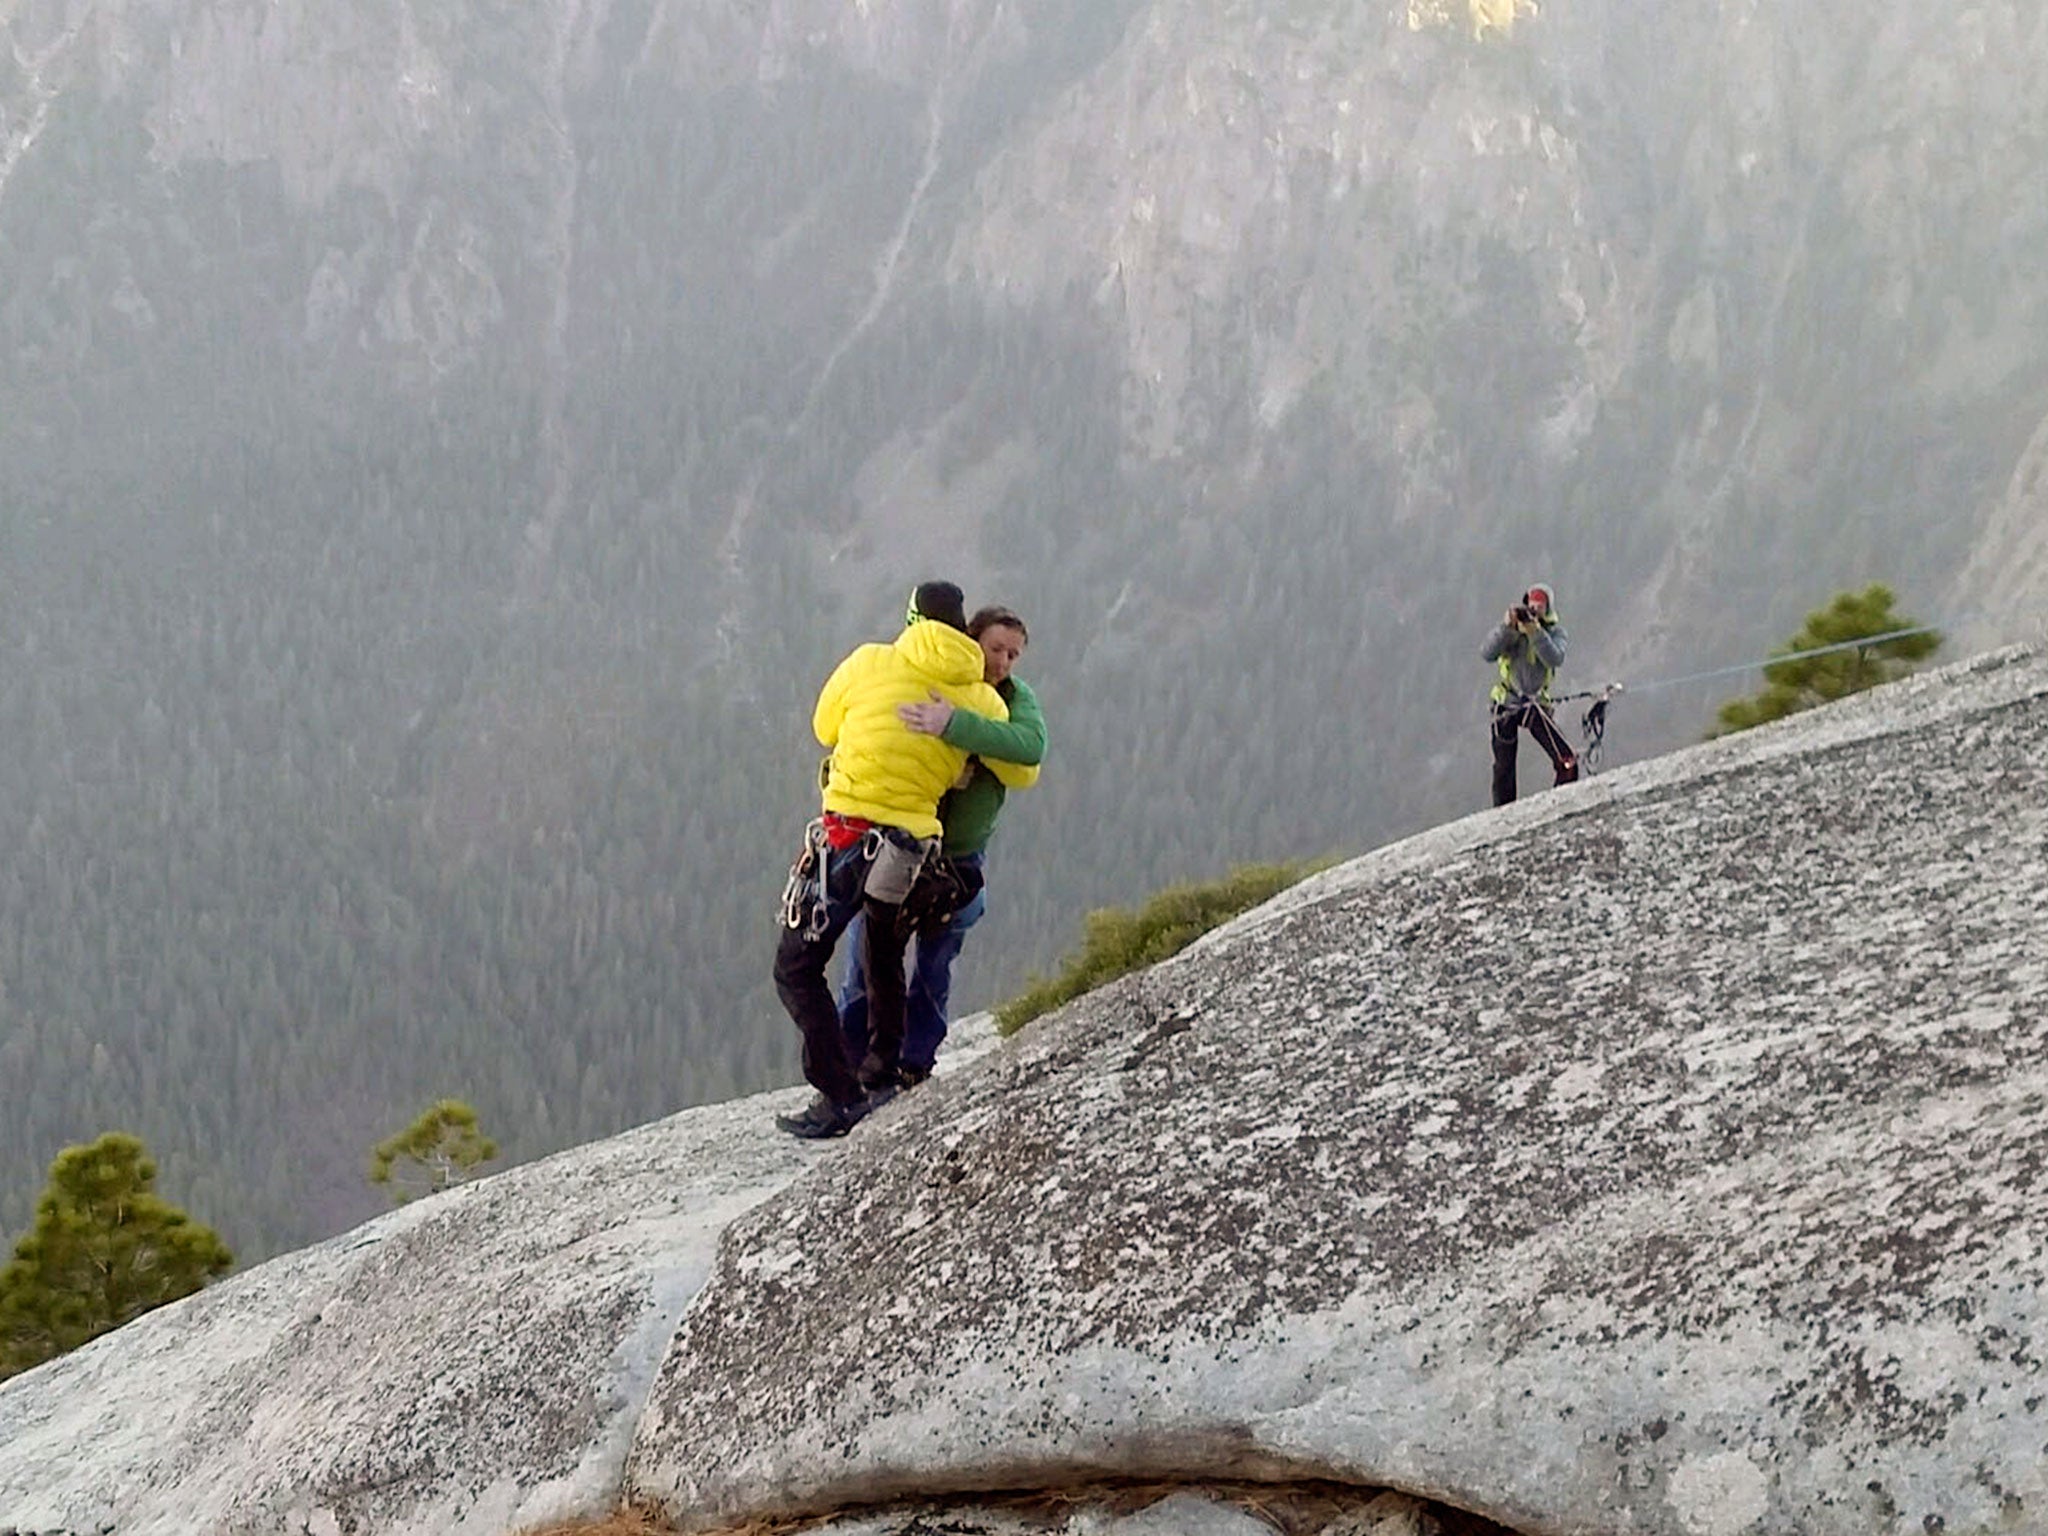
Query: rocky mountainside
[
  {"x": 1659, "y": 1156},
  {"x": 442, "y": 449}
]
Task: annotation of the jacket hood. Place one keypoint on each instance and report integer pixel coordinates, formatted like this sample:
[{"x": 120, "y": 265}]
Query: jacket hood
[
  {"x": 941, "y": 652},
  {"x": 1549, "y": 595}
]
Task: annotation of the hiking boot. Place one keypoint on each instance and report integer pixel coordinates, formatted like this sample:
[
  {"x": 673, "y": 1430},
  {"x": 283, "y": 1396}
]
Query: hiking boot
[
  {"x": 880, "y": 1080},
  {"x": 823, "y": 1118},
  {"x": 883, "y": 1081},
  {"x": 874, "y": 1073},
  {"x": 881, "y": 1094}
]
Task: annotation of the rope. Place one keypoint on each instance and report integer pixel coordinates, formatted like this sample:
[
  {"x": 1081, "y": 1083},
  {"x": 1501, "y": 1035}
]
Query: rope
[
  {"x": 1772, "y": 661},
  {"x": 1594, "y": 725}
]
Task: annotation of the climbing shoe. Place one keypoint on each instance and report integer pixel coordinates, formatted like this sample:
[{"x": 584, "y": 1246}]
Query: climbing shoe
[{"x": 823, "y": 1118}]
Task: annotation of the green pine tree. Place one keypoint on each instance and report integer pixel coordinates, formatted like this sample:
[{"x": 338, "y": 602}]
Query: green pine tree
[
  {"x": 105, "y": 1248},
  {"x": 1793, "y": 685},
  {"x": 442, "y": 1148}
]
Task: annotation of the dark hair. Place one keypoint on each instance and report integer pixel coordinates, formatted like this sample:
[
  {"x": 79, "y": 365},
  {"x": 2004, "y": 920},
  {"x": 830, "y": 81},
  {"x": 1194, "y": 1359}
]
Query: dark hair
[
  {"x": 995, "y": 616},
  {"x": 939, "y": 601}
]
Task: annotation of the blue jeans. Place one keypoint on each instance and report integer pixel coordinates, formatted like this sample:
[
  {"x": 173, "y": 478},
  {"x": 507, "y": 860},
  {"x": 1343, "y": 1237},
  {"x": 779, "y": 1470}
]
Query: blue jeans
[{"x": 931, "y": 988}]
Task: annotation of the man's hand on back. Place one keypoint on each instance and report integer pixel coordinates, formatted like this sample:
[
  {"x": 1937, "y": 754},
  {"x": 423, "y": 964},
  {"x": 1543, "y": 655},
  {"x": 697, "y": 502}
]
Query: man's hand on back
[{"x": 929, "y": 719}]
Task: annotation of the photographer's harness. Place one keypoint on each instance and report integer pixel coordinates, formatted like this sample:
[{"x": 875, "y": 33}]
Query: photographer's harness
[{"x": 1593, "y": 723}]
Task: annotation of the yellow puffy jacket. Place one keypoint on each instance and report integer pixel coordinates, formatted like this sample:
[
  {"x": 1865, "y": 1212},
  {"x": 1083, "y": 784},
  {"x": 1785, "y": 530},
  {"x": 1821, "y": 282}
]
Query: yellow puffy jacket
[{"x": 881, "y": 769}]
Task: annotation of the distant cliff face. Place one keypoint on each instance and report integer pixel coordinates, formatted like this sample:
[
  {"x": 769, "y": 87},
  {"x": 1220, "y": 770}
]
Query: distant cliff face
[
  {"x": 2009, "y": 571},
  {"x": 457, "y": 440},
  {"x": 1537, "y": 280},
  {"x": 1419, "y": 300},
  {"x": 1660, "y": 1156},
  {"x": 1727, "y": 272}
]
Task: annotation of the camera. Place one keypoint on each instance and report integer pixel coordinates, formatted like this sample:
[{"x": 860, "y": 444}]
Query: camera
[{"x": 1522, "y": 613}]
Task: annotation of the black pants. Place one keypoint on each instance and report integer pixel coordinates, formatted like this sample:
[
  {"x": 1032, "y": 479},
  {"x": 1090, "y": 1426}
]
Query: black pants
[
  {"x": 800, "y": 961},
  {"x": 1508, "y": 721},
  {"x": 884, "y": 937}
]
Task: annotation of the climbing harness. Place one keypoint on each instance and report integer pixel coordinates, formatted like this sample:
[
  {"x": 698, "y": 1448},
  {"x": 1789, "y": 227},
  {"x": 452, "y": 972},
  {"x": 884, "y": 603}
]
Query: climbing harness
[
  {"x": 804, "y": 902},
  {"x": 891, "y": 858},
  {"x": 1518, "y": 704}
]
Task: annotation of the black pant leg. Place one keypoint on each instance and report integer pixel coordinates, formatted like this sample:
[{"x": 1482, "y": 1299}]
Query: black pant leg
[
  {"x": 884, "y": 936},
  {"x": 1507, "y": 726},
  {"x": 800, "y": 983},
  {"x": 1563, "y": 760}
]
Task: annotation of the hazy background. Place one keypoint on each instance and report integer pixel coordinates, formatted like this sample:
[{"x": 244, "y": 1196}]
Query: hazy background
[{"x": 444, "y": 448}]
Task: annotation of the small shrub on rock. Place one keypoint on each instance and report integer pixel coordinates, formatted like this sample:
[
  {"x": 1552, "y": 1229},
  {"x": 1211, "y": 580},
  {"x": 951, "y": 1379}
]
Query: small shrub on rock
[{"x": 1118, "y": 941}]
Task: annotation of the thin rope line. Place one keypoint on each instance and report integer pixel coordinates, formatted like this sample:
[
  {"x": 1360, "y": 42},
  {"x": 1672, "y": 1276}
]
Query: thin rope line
[
  {"x": 1772, "y": 661},
  {"x": 1615, "y": 689}
]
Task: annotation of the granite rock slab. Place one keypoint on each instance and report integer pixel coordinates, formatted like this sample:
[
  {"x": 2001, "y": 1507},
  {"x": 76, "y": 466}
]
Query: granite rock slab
[{"x": 1662, "y": 1154}]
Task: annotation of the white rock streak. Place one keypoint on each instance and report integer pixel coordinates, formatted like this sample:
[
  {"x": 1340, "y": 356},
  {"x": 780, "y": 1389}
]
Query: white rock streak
[
  {"x": 16, "y": 140},
  {"x": 537, "y": 548}
]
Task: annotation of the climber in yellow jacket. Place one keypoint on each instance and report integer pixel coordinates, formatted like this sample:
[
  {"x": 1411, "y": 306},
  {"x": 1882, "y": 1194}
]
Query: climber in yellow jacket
[
  {"x": 880, "y": 770},
  {"x": 880, "y": 822}
]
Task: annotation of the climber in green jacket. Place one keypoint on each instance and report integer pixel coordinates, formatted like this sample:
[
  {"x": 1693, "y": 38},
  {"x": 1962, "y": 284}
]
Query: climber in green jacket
[{"x": 949, "y": 898}]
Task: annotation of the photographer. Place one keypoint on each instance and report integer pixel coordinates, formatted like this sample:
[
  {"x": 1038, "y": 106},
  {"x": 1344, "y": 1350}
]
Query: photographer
[{"x": 1529, "y": 646}]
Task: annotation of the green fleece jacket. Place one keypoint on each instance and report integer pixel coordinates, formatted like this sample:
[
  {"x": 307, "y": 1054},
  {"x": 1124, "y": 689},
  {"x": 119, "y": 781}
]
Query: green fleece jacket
[{"x": 970, "y": 812}]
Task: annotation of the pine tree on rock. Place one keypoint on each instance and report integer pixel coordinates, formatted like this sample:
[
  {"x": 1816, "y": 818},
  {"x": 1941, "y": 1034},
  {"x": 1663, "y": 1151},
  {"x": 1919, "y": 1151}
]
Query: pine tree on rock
[
  {"x": 1801, "y": 683},
  {"x": 443, "y": 1147},
  {"x": 104, "y": 1249}
]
